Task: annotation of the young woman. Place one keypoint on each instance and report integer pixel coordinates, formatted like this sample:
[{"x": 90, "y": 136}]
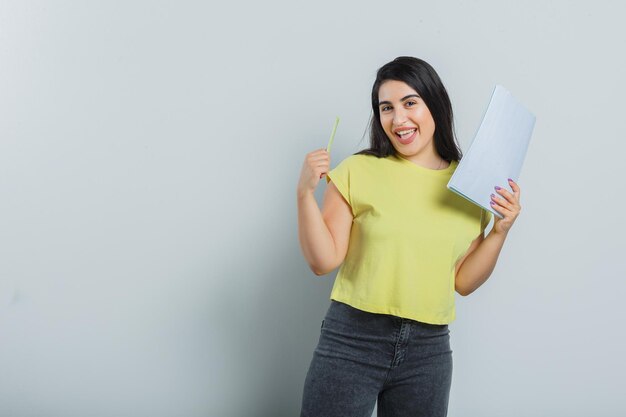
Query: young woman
[{"x": 405, "y": 243}]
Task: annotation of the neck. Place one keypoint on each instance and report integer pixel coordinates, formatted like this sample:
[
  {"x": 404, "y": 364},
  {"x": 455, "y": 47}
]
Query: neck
[{"x": 435, "y": 164}]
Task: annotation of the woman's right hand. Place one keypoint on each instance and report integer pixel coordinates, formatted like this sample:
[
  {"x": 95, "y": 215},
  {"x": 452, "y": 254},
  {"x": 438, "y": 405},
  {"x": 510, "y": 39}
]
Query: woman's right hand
[{"x": 315, "y": 166}]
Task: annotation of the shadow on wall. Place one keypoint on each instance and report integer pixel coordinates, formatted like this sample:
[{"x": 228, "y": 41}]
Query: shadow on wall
[{"x": 264, "y": 317}]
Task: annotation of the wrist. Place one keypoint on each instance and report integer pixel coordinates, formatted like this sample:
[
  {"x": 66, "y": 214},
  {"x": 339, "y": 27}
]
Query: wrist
[
  {"x": 498, "y": 233},
  {"x": 303, "y": 194}
]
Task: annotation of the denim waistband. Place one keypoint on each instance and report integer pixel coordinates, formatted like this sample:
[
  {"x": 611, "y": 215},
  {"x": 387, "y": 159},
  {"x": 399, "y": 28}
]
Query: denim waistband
[{"x": 342, "y": 312}]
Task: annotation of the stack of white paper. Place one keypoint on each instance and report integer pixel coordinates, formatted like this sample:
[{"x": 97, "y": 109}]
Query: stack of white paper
[{"x": 497, "y": 152}]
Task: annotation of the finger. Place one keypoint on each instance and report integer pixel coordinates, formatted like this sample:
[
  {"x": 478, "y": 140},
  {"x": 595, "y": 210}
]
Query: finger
[
  {"x": 319, "y": 157},
  {"x": 319, "y": 152},
  {"x": 501, "y": 209},
  {"x": 507, "y": 195},
  {"x": 321, "y": 163},
  {"x": 515, "y": 187},
  {"x": 514, "y": 208},
  {"x": 501, "y": 201},
  {"x": 495, "y": 206}
]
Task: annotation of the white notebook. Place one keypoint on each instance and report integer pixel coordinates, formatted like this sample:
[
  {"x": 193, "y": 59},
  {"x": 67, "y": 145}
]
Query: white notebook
[{"x": 497, "y": 152}]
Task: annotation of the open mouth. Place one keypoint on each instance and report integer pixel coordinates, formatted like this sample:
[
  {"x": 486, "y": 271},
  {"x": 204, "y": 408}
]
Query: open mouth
[{"x": 405, "y": 134}]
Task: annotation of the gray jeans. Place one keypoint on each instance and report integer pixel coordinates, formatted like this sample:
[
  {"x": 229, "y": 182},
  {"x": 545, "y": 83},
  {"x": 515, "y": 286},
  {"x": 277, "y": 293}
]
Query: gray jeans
[{"x": 362, "y": 357}]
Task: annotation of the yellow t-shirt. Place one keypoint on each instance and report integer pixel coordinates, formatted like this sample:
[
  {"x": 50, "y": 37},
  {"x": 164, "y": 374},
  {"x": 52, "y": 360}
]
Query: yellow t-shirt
[{"x": 407, "y": 233}]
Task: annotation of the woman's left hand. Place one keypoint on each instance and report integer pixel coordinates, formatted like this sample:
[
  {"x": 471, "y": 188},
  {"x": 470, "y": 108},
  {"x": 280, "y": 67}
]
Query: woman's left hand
[{"x": 506, "y": 204}]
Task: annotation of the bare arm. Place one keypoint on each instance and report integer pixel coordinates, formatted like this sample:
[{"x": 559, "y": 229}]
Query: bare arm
[
  {"x": 324, "y": 234},
  {"x": 480, "y": 261}
]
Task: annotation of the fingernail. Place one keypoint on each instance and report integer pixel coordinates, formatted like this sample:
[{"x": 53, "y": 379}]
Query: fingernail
[
  {"x": 498, "y": 188},
  {"x": 511, "y": 180},
  {"x": 493, "y": 196},
  {"x": 492, "y": 203}
]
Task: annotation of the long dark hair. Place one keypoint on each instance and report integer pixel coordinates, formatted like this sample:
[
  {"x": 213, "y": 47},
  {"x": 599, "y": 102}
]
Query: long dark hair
[{"x": 420, "y": 76}]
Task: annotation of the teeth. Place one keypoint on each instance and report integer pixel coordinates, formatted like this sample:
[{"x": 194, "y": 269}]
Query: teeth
[{"x": 405, "y": 132}]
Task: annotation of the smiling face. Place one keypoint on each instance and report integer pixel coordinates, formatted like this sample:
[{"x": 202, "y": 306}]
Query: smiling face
[{"x": 407, "y": 121}]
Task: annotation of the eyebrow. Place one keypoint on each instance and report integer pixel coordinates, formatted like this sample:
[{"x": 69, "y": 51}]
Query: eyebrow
[{"x": 402, "y": 99}]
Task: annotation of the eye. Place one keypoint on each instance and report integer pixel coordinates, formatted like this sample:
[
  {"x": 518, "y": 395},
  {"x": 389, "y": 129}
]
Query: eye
[
  {"x": 385, "y": 108},
  {"x": 411, "y": 103}
]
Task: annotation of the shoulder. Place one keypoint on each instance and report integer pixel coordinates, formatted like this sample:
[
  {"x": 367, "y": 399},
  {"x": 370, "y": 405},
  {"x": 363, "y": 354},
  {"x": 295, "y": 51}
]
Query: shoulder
[
  {"x": 353, "y": 162},
  {"x": 362, "y": 160},
  {"x": 354, "y": 167},
  {"x": 360, "y": 157},
  {"x": 453, "y": 165}
]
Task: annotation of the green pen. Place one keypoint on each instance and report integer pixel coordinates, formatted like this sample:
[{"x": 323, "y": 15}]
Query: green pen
[{"x": 332, "y": 135}]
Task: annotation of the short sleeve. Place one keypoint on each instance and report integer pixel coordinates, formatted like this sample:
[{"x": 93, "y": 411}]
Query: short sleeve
[
  {"x": 340, "y": 176},
  {"x": 485, "y": 218}
]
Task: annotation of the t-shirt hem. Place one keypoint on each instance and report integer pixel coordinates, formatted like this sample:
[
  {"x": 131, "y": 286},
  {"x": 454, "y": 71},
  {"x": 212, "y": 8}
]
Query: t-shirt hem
[{"x": 398, "y": 312}]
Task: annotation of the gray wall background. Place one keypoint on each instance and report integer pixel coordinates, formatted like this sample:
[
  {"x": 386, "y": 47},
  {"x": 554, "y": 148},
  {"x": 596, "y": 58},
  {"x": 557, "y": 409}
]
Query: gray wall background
[{"x": 149, "y": 156}]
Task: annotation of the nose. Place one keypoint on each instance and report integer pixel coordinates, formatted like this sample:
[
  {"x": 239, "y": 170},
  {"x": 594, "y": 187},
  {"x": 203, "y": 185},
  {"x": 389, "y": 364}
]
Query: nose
[{"x": 399, "y": 117}]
